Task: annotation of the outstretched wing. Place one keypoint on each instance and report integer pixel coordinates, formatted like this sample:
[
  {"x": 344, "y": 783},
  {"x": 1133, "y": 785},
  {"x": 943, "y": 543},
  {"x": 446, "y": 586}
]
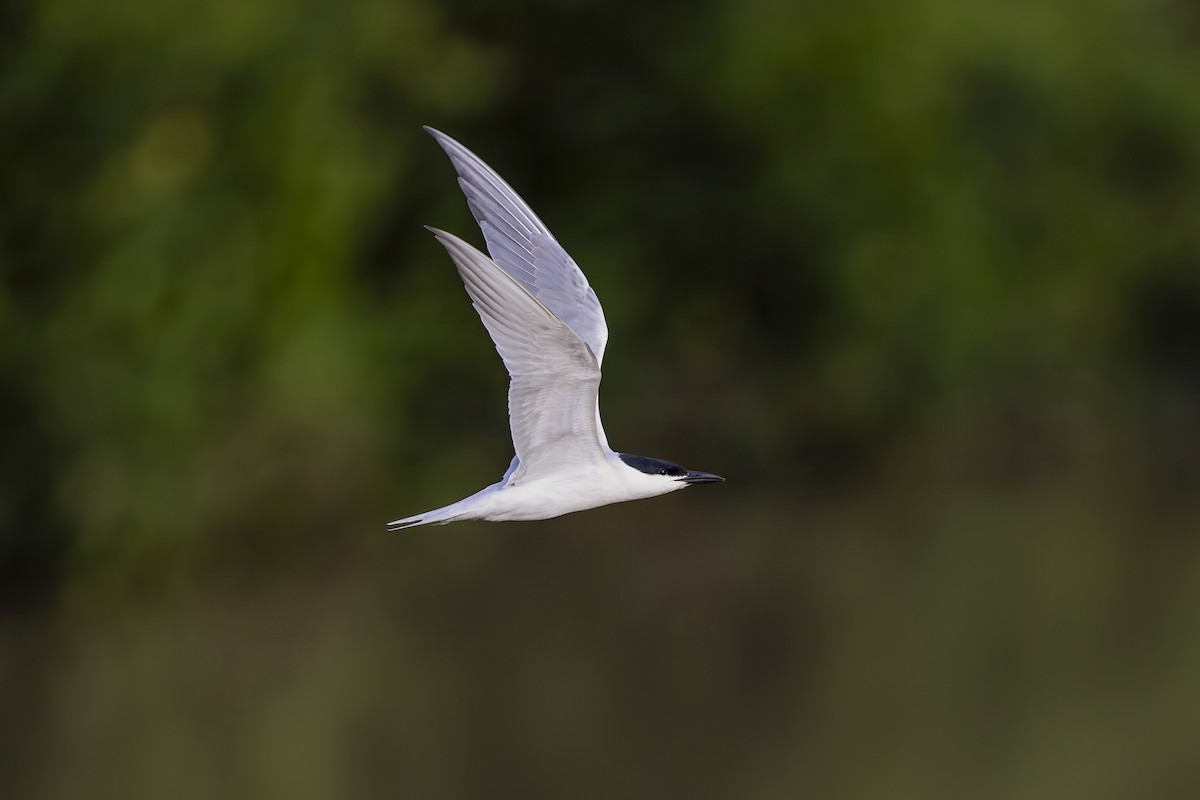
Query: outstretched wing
[
  {"x": 524, "y": 247},
  {"x": 555, "y": 377}
]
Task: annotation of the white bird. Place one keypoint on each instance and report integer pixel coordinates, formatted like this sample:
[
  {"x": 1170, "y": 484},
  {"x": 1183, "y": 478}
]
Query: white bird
[{"x": 550, "y": 331}]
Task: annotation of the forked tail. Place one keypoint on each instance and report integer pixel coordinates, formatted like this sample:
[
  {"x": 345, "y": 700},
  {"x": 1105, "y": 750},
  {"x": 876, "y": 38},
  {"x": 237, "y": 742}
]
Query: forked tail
[
  {"x": 410, "y": 522},
  {"x": 438, "y": 517},
  {"x": 467, "y": 508}
]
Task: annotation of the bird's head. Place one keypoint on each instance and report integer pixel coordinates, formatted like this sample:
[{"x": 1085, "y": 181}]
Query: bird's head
[{"x": 661, "y": 477}]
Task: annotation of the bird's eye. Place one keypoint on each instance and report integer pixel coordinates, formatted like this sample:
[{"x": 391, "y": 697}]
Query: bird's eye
[{"x": 662, "y": 470}]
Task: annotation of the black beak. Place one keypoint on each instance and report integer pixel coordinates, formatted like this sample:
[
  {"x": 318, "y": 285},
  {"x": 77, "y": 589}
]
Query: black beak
[{"x": 701, "y": 477}]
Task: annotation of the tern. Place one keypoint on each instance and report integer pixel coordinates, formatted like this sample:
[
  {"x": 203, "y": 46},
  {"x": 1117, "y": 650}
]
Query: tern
[{"x": 549, "y": 329}]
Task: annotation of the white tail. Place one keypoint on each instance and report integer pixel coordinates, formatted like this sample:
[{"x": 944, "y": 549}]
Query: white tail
[
  {"x": 438, "y": 516},
  {"x": 410, "y": 522},
  {"x": 463, "y": 509}
]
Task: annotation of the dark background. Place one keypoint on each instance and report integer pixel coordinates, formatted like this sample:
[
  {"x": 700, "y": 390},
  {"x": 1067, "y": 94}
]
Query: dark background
[{"x": 921, "y": 279}]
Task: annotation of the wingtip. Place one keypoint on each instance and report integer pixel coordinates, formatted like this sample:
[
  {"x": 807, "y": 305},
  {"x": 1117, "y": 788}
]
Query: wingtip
[{"x": 444, "y": 141}]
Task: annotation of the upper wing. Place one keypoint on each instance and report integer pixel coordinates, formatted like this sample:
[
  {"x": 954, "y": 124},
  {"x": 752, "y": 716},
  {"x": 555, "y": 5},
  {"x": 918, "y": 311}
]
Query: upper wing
[
  {"x": 524, "y": 247},
  {"x": 555, "y": 377}
]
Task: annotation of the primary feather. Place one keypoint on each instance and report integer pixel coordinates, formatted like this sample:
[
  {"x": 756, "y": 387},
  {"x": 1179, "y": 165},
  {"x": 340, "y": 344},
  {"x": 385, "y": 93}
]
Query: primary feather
[{"x": 524, "y": 247}]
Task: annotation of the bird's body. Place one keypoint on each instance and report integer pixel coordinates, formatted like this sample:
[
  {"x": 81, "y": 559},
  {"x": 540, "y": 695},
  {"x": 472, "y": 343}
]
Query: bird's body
[
  {"x": 551, "y": 496},
  {"x": 549, "y": 329}
]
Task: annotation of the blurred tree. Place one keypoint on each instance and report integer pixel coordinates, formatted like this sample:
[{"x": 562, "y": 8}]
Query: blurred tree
[{"x": 923, "y": 280}]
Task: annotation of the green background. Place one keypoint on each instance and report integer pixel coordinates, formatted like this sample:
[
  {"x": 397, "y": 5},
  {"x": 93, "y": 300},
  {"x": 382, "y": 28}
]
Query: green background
[{"x": 921, "y": 279}]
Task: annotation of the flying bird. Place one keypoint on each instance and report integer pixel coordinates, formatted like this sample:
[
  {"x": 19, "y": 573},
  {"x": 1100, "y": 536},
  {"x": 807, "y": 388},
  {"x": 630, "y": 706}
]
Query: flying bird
[{"x": 549, "y": 329}]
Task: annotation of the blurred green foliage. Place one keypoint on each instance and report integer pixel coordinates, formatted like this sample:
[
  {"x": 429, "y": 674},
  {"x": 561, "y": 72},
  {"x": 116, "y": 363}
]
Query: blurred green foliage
[{"x": 922, "y": 280}]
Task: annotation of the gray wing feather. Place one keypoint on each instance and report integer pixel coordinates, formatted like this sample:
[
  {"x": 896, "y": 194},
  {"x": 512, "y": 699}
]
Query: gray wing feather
[
  {"x": 524, "y": 247},
  {"x": 555, "y": 376}
]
